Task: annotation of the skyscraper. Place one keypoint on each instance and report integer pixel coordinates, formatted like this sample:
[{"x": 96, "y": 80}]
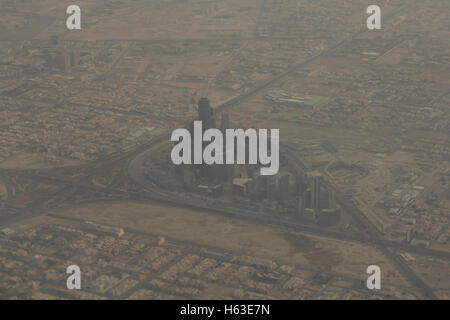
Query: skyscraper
[
  {"x": 283, "y": 186},
  {"x": 315, "y": 193},
  {"x": 74, "y": 59},
  {"x": 204, "y": 112},
  {"x": 225, "y": 122},
  {"x": 62, "y": 60}
]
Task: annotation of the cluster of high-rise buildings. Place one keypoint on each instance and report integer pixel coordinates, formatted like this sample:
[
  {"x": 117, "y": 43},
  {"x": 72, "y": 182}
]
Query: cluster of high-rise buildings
[
  {"x": 309, "y": 198},
  {"x": 63, "y": 60},
  {"x": 317, "y": 202}
]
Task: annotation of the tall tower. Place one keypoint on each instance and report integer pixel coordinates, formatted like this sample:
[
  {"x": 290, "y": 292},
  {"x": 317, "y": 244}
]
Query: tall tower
[
  {"x": 62, "y": 60},
  {"x": 315, "y": 193},
  {"x": 225, "y": 123},
  {"x": 283, "y": 186},
  {"x": 204, "y": 112},
  {"x": 331, "y": 199},
  {"x": 74, "y": 58}
]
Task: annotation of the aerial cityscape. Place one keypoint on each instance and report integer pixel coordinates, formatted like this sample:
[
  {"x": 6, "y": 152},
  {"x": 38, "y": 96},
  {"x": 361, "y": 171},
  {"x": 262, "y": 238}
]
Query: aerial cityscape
[{"x": 362, "y": 118}]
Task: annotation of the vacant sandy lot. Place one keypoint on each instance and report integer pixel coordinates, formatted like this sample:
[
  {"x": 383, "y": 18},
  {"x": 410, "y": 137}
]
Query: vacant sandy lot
[{"x": 239, "y": 236}]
